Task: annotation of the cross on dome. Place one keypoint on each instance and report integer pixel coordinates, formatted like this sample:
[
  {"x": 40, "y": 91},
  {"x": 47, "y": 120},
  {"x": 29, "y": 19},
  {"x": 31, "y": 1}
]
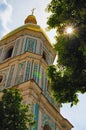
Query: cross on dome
[{"x": 33, "y": 10}]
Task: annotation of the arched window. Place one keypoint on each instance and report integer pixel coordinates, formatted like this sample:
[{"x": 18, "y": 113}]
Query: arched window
[
  {"x": 1, "y": 78},
  {"x": 8, "y": 53},
  {"x": 46, "y": 127}
]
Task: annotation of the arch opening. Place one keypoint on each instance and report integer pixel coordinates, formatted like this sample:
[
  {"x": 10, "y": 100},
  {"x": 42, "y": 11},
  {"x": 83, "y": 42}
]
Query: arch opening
[
  {"x": 8, "y": 53},
  {"x": 46, "y": 127},
  {"x": 1, "y": 78}
]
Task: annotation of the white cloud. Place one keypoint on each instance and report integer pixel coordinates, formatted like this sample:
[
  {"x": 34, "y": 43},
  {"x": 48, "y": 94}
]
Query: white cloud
[{"x": 5, "y": 15}]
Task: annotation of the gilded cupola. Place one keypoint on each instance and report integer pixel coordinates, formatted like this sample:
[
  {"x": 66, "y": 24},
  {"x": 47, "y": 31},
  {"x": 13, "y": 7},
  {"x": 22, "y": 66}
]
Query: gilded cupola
[{"x": 31, "y": 18}]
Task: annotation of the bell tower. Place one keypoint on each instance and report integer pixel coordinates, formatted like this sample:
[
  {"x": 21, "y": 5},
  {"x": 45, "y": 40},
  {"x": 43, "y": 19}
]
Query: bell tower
[{"x": 25, "y": 54}]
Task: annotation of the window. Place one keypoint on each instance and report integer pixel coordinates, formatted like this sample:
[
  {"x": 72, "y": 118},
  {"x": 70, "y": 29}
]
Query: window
[
  {"x": 44, "y": 55},
  {"x": 1, "y": 78},
  {"x": 36, "y": 74},
  {"x": 20, "y": 72},
  {"x": 48, "y": 87},
  {"x": 30, "y": 45},
  {"x": 8, "y": 53}
]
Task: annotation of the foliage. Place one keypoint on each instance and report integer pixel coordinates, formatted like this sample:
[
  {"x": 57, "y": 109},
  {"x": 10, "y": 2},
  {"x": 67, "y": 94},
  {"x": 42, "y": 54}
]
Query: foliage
[
  {"x": 13, "y": 114},
  {"x": 68, "y": 77}
]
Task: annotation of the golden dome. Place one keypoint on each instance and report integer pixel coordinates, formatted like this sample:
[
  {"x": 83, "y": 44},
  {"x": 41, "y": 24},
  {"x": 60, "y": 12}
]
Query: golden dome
[{"x": 30, "y": 19}]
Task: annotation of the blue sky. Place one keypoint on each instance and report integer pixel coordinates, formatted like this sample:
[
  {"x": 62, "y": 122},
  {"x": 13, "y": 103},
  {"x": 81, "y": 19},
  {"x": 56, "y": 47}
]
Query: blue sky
[{"x": 12, "y": 15}]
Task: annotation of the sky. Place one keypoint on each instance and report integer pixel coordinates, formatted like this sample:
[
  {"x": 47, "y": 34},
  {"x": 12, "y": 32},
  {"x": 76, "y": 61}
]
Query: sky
[{"x": 12, "y": 15}]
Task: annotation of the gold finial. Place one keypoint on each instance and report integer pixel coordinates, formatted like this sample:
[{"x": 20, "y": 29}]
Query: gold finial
[{"x": 33, "y": 10}]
